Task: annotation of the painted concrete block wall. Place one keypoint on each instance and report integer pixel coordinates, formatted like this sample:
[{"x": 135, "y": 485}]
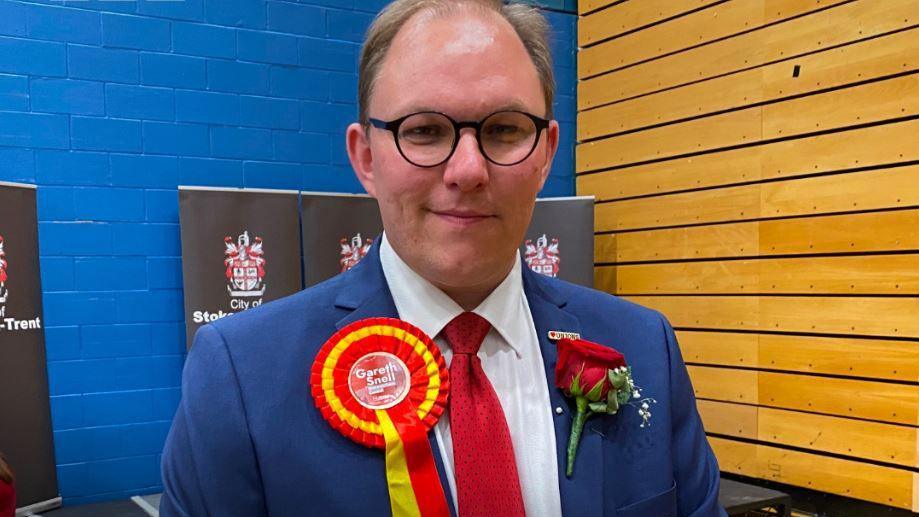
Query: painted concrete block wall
[{"x": 109, "y": 105}]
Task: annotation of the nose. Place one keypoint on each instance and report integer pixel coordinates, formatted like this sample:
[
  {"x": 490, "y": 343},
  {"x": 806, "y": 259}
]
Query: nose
[{"x": 467, "y": 168}]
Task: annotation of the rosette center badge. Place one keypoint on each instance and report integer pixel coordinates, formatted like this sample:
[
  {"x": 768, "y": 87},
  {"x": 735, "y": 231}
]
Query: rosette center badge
[{"x": 379, "y": 380}]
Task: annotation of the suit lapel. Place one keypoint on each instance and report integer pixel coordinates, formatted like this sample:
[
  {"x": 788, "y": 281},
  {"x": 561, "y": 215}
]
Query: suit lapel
[
  {"x": 365, "y": 294},
  {"x": 582, "y": 494}
]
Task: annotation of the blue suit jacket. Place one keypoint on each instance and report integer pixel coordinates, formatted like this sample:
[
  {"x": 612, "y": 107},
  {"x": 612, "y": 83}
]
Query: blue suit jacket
[{"x": 247, "y": 439}]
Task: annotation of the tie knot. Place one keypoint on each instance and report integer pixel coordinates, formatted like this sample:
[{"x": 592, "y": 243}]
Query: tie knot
[{"x": 466, "y": 332}]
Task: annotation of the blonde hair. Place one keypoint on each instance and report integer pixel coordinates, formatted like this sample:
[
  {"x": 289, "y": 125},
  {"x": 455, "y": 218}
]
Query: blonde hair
[{"x": 527, "y": 21}]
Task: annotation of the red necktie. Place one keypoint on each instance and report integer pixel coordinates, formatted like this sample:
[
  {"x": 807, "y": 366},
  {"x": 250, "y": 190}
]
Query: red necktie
[{"x": 487, "y": 483}]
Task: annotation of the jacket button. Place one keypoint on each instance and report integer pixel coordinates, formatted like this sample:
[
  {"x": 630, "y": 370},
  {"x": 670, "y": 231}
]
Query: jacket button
[{"x": 559, "y": 410}]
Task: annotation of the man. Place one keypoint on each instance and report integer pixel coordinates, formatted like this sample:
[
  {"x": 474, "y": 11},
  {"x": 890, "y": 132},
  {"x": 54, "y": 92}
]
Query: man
[{"x": 455, "y": 140}]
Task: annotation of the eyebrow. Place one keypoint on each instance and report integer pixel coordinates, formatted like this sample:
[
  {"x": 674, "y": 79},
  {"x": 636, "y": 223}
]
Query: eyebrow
[{"x": 514, "y": 105}]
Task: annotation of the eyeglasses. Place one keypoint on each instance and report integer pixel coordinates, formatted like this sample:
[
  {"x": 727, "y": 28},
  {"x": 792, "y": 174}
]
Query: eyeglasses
[{"x": 429, "y": 138}]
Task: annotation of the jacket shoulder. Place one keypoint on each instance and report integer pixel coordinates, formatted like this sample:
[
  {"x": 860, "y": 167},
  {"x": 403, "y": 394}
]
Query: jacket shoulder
[{"x": 278, "y": 324}]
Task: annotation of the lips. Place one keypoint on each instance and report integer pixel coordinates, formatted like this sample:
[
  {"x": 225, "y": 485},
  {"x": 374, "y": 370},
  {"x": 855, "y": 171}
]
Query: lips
[{"x": 462, "y": 217}]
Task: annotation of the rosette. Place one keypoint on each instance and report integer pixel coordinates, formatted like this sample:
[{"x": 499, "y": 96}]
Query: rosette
[{"x": 383, "y": 383}]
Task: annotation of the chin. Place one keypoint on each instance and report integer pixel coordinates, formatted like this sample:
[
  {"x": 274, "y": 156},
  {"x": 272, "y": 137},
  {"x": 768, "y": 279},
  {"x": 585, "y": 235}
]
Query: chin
[{"x": 468, "y": 265}]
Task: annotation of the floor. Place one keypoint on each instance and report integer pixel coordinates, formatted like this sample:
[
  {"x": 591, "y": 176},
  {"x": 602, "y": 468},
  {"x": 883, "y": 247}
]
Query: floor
[{"x": 145, "y": 506}]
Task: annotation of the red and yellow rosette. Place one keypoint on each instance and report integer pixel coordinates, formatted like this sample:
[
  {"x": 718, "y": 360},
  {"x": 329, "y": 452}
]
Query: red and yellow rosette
[{"x": 383, "y": 383}]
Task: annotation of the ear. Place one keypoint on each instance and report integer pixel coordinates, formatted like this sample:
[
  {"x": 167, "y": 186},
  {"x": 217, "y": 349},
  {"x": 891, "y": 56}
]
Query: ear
[
  {"x": 359, "y": 153},
  {"x": 551, "y": 149}
]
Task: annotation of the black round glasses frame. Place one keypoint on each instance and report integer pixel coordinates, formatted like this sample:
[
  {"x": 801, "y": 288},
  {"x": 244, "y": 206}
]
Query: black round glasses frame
[{"x": 393, "y": 126}]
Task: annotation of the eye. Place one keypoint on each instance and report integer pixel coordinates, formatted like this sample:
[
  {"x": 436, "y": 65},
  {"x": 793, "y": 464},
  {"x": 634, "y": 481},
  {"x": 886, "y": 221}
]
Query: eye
[
  {"x": 423, "y": 131},
  {"x": 498, "y": 133},
  {"x": 502, "y": 129}
]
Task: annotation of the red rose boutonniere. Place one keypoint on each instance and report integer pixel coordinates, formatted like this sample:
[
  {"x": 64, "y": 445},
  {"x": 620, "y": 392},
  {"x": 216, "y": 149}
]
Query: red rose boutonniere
[{"x": 600, "y": 382}]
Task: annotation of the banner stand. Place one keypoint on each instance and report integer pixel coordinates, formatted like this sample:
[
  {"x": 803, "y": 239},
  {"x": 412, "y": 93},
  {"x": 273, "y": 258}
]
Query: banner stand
[
  {"x": 26, "y": 436},
  {"x": 37, "y": 508},
  {"x": 338, "y": 230},
  {"x": 560, "y": 239},
  {"x": 240, "y": 248}
]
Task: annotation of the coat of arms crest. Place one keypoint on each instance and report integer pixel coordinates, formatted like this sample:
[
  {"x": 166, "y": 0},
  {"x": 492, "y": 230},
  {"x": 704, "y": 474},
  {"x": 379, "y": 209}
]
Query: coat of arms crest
[
  {"x": 543, "y": 257},
  {"x": 3, "y": 289},
  {"x": 353, "y": 252},
  {"x": 245, "y": 266}
]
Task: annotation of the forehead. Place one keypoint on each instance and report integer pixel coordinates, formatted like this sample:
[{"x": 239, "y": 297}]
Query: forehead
[{"x": 466, "y": 63}]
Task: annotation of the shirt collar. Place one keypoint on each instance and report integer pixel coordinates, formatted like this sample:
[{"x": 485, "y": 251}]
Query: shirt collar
[{"x": 422, "y": 304}]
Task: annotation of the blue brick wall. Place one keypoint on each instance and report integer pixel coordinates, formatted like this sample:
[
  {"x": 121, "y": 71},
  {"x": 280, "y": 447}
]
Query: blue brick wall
[{"x": 108, "y": 106}]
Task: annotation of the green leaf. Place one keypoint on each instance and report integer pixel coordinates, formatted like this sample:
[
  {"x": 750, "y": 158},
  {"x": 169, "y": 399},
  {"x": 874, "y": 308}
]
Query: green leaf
[
  {"x": 598, "y": 407},
  {"x": 594, "y": 393},
  {"x": 576, "y": 385},
  {"x": 612, "y": 402},
  {"x": 618, "y": 379}
]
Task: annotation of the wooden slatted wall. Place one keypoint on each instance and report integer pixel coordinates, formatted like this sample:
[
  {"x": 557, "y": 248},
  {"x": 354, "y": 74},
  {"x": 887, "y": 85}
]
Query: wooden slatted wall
[{"x": 756, "y": 169}]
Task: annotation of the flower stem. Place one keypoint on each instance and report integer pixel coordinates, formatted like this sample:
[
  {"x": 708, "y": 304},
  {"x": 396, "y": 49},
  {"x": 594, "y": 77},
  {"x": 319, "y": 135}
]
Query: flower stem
[{"x": 575, "y": 437}]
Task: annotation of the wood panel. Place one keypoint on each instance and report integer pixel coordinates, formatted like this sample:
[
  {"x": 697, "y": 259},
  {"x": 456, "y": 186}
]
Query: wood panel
[
  {"x": 724, "y": 349},
  {"x": 727, "y": 129},
  {"x": 725, "y": 384},
  {"x": 888, "y": 443},
  {"x": 730, "y": 419},
  {"x": 870, "y": 440},
  {"x": 869, "y": 358},
  {"x": 867, "y": 232},
  {"x": 864, "y": 316},
  {"x": 839, "y": 25},
  {"x": 628, "y": 16},
  {"x": 863, "y": 147},
  {"x": 878, "y": 101},
  {"x": 870, "y": 102},
  {"x": 837, "y": 67},
  {"x": 882, "y": 401},
  {"x": 807, "y": 196},
  {"x": 852, "y": 275},
  {"x": 702, "y": 26},
  {"x": 756, "y": 173},
  {"x": 885, "y": 485},
  {"x": 585, "y": 6}
]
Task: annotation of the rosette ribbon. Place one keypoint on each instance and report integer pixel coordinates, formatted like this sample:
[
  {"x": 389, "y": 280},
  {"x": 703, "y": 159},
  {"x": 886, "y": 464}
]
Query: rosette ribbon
[{"x": 383, "y": 383}]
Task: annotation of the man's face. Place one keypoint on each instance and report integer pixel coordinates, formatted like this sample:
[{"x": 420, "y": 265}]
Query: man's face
[{"x": 458, "y": 224}]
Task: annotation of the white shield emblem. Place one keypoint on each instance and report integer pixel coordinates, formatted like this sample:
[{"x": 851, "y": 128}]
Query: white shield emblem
[
  {"x": 543, "y": 257},
  {"x": 245, "y": 266}
]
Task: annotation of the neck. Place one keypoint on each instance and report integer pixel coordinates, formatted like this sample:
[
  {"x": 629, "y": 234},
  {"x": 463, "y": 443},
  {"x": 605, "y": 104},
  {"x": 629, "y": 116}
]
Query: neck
[{"x": 471, "y": 296}]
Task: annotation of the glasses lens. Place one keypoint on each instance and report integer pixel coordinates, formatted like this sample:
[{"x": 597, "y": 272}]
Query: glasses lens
[
  {"x": 426, "y": 138},
  {"x": 508, "y": 137}
]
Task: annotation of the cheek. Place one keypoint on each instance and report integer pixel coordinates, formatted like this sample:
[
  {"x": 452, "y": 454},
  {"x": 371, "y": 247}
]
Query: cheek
[
  {"x": 518, "y": 186},
  {"x": 401, "y": 189}
]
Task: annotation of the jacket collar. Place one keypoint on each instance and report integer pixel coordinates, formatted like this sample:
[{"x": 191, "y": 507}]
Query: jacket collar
[{"x": 364, "y": 291}]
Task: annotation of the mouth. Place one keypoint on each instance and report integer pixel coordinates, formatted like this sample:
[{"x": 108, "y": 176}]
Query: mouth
[{"x": 462, "y": 217}]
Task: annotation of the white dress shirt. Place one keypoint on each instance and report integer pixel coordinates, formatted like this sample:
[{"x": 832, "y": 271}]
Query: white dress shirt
[{"x": 513, "y": 363}]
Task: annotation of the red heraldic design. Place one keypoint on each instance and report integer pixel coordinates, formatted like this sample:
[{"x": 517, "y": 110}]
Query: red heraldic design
[
  {"x": 353, "y": 252},
  {"x": 543, "y": 258},
  {"x": 383, "y": 383},
  {"x": 2, "y": 272},
  {"x": 245, "y": 266}
]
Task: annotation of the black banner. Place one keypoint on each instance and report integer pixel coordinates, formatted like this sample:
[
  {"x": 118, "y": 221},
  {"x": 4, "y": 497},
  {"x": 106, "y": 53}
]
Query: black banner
[
  {"x": 240, "y": 248},
  {"x": 25, "y": 412},
  {"x": 560, "y": 240},
  {"x": 338, "y": 230}
]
